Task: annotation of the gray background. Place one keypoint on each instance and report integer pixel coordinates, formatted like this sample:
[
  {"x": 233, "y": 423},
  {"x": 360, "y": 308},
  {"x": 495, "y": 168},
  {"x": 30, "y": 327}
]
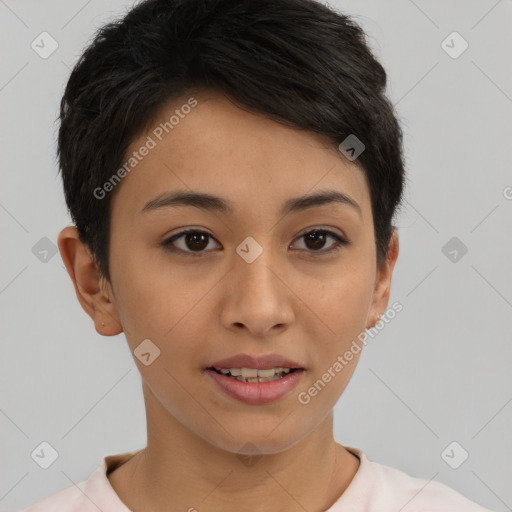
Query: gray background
[{"x": 439, "y": 372}]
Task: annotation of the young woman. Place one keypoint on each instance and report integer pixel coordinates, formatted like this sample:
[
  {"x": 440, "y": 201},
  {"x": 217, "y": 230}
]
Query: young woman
[{"x": 232, "y": 168}]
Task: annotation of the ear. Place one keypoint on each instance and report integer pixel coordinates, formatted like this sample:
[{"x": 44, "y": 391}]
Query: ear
[
  {"x": 383, "y": 282},
  {"x": 94, "y": 293}
]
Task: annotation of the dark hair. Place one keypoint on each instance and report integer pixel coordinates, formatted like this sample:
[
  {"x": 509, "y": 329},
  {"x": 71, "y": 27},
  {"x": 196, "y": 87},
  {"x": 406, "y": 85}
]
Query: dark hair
[{"x": 298, "y": 62}]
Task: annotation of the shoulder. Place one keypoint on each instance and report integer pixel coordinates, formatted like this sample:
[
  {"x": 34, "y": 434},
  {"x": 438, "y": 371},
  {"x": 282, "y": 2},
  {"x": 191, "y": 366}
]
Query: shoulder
[
  {"x": 89, "y": 495},
  {"x": 69, "y": 499},
  {"x": 422, "y": 495},
  {"x": 388, "y": 488}
]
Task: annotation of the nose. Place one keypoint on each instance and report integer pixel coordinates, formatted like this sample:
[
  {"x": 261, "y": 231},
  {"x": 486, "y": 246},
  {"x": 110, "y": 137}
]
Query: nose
[{"x": 259, "y": 296}]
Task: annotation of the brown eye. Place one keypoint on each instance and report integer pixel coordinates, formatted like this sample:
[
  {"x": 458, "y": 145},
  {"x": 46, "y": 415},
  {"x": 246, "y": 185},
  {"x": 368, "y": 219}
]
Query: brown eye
[
  {"x": 315, "y": 241},
  {"x": 196, "y": 241},
  {"x": 192, "y": 242}
]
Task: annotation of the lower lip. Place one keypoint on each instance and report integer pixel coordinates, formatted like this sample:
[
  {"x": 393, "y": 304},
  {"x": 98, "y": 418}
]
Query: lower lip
[{"x": 256, "y": 393}]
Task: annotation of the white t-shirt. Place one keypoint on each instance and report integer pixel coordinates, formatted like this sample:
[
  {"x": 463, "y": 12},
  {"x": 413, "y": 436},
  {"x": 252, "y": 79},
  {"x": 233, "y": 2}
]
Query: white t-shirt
[{"x": 374, "y": 488}]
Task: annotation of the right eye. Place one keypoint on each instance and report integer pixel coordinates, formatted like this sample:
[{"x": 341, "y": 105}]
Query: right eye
[{"x": 193, "y": 241}]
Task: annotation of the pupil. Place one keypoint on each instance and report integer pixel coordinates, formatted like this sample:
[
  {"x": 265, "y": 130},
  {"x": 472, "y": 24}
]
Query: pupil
[
  {"x": 195, "y": 238},
  {"x": 316, "y": 236}
]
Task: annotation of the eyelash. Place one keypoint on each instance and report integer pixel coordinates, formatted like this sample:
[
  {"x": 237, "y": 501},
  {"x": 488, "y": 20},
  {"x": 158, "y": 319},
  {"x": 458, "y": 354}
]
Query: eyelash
[{"x": 340, "y": 243}]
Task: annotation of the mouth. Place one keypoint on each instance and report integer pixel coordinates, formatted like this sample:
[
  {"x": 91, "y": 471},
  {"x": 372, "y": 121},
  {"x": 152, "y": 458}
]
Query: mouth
[
  {"x": 256, "y": 380},
  {"x": 255, "y": 386},
  {"x": 254, "y": 374}
]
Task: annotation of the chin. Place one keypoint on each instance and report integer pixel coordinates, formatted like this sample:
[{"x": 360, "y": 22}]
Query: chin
[{"x": 258, "y": 441}]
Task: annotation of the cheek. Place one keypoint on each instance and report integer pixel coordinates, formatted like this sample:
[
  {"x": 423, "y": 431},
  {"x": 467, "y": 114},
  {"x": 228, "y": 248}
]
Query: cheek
[
  {"x": 172, "y": 311},
  {"x": 341, "y": 306},
  {"x": 342, "y": 302},
  {"x": 150, "y": 297}
]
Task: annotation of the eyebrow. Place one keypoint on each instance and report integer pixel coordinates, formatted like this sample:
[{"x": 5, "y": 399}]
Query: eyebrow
[{"x": 211, "y": 202}]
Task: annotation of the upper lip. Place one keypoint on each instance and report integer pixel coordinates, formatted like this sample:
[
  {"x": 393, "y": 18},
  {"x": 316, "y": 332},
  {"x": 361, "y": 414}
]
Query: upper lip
[{"x": 258, "y": 362}]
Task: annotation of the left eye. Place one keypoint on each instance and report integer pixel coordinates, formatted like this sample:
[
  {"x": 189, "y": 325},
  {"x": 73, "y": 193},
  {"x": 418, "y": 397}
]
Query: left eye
[
  {"x": 317, "y": 237},
  {"x": 194, "y": 242}
]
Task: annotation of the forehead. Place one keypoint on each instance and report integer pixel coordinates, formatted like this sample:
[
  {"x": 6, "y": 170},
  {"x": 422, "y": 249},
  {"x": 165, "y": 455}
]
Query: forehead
[{"x": 219, "y": 148}]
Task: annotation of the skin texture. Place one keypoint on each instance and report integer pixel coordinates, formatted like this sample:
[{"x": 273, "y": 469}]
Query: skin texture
[{"x": 292, "y": 300}]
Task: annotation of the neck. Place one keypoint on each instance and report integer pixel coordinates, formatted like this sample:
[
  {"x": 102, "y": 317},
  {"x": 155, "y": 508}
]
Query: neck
[{"x": 179, "y": 468}]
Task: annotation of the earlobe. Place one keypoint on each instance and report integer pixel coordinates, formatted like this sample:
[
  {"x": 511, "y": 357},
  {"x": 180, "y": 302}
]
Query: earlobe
[{"x": 91, "y": 292}]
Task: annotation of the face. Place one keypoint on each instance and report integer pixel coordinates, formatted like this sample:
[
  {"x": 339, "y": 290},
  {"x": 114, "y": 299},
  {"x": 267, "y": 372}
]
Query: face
[{"x": 263, "y": 276}]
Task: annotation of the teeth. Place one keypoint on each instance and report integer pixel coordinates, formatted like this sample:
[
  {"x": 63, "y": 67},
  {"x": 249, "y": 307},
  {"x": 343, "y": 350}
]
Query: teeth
[
  {"x": 266, "y": 373},
  {"x": 255, "y": 375},
  {"x": 253, "y": 372}
]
